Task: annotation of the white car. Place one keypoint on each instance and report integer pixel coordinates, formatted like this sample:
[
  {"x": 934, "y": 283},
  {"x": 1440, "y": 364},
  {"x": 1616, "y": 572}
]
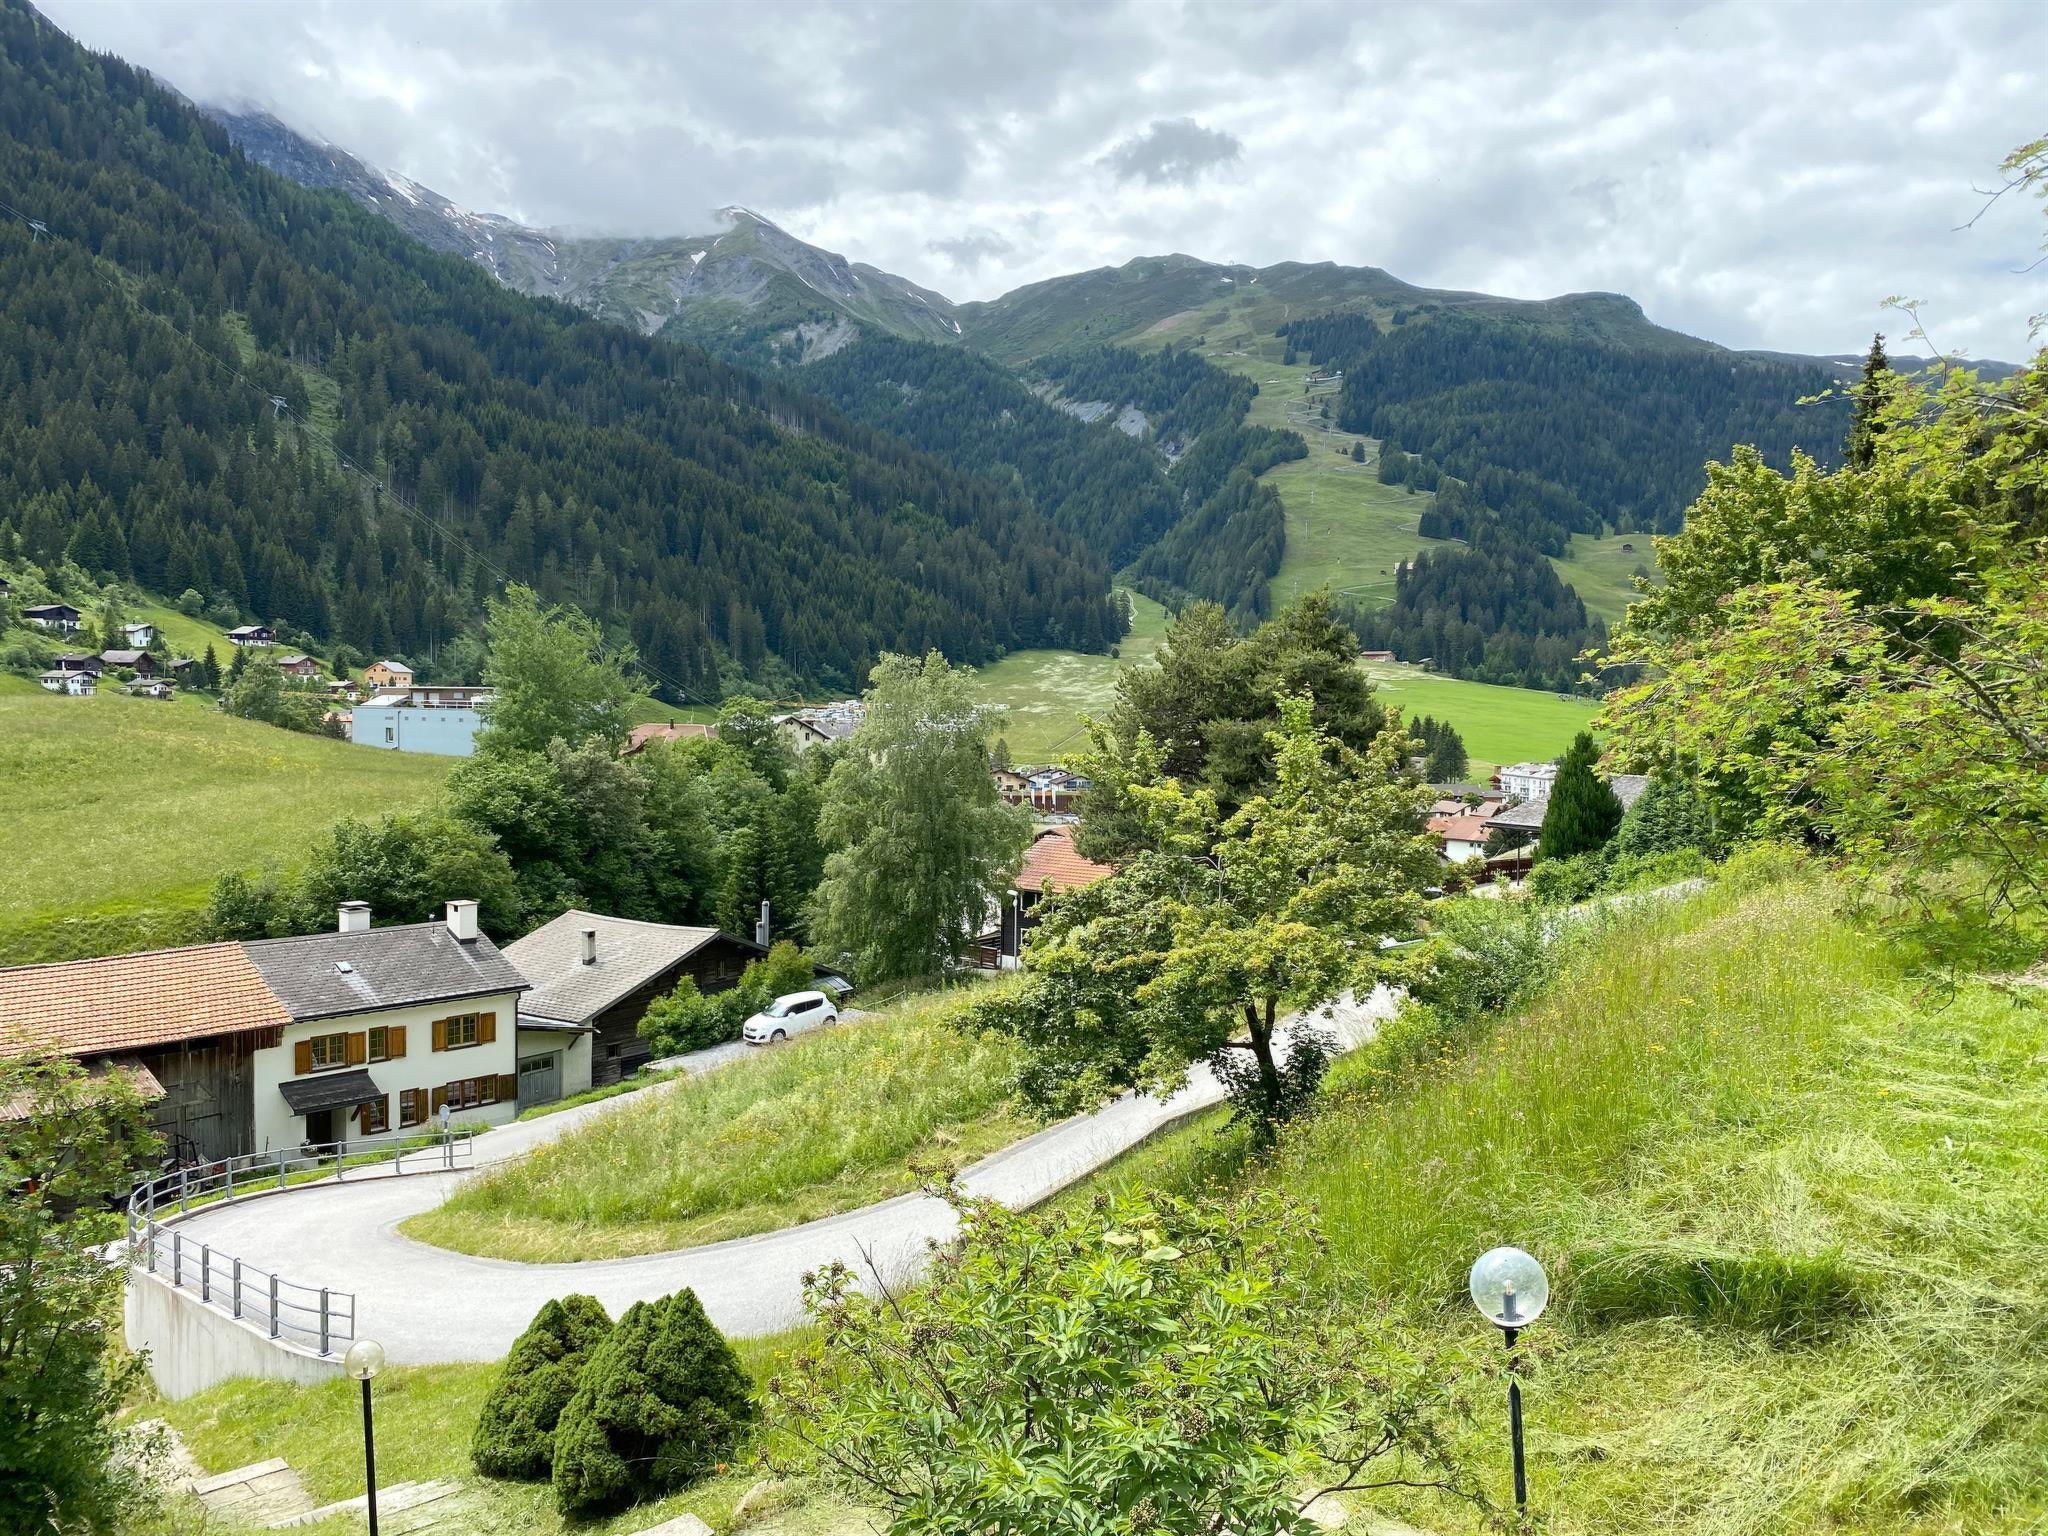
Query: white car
[{"x": 790, "y": 1014}]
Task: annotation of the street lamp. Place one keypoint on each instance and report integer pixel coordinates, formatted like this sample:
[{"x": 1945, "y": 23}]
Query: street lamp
[
  {"x": 365, "y": 1358},
  {"x": 1510, "y": 1290}
]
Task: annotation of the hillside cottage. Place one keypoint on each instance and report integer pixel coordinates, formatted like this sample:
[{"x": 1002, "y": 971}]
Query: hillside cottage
[
  {"x": 298, "y": 666},
  {"x": 593, "y": 979},
  {"x": 150, "y": 688},
  {"x": 141, "y": 663},
  {"x": 388, "y": 674},
  {"x": 252, "y": 635},
  {"x": 277, "y": 1043},
  {"x": 1052, "y": 865},
  {"x": 76, "y": 684},
  {"x": 410, "y": 720},
  {"x": 73, "y": 662},
  {"x": 59, "y": 618},
  {"x": 140, "y": 636}
]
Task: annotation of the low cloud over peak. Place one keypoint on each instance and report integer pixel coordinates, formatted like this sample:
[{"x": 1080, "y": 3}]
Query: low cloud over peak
[{"x": 1177, "y": 149}]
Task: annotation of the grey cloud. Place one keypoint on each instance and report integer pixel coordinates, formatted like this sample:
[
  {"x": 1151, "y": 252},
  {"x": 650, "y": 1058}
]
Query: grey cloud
[
  {"x": 1175, "y": 149},
  {"x": 972, "y": 251}
]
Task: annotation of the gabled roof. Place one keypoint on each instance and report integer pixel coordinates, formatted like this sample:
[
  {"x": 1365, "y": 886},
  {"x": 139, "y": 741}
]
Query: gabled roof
[
  {"x": 393, "y": 666},
  {"x": 158, "y": 997},
  {"x": 384, "y": 968},
  {"x": 629, "y": 955},
  {"x": 1465, "y": 827},
  {"x": 122, "y": 658},
  {"x": 1053, "y": 857},
  {"x": 46, "y": 609}
]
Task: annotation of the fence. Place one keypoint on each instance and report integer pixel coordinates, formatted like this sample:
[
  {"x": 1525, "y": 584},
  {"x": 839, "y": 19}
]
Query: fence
[{"x": 312, "y": 1316}]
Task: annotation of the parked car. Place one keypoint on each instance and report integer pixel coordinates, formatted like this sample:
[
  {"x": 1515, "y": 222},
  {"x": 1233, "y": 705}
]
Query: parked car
[{"x": 790, "y": 1014}]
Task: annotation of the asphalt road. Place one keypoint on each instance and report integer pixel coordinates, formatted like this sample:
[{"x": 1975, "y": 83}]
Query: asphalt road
[{"x": 427, "y": 1304}]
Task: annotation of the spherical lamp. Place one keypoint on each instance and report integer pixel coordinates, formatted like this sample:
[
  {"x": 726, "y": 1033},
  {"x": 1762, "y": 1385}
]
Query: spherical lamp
[{"x": 1509, "y": 1288}]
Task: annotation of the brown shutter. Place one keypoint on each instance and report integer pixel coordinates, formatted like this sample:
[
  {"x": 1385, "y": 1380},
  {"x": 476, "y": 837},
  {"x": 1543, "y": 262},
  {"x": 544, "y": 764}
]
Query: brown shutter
[
  {"x": 508, "y": 1087},
  {"x": 302, "y": 1058},
  {"x": 486, "y": 1028},
  {"x": 440, "y": 1098},
  {"x": 358, "y": 1047},
  {"x": 440, "y": 1034},
  {"x": 394, "y": 1042}
]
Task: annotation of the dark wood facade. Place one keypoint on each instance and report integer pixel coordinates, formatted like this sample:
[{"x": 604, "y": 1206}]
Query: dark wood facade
[
  {"x": 208, "y": 1110},
  {"x": 616, "y": 1049}
]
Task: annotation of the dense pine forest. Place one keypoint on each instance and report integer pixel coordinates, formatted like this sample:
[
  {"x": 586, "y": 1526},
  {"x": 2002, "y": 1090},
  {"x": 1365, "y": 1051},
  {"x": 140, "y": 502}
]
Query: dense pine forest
[{"x": 724, "y": 522}]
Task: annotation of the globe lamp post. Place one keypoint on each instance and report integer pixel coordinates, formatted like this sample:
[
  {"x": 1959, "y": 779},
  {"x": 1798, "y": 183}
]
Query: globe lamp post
[
  {"x": 1510, "y": 1290},
  {"x": 365, "y": 1358}
]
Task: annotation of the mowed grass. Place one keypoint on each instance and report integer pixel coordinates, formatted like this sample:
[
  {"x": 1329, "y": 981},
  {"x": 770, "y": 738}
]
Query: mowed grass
[
  {"x": 1602, "y": 571},
  {"x": 826, "y": 1123},
  {"x": 122, "y": 812},
  {"x": 1044, "y": 694},
  {"x": 1499, "y": 725},
  {"x": 1793, "y": 1207}
]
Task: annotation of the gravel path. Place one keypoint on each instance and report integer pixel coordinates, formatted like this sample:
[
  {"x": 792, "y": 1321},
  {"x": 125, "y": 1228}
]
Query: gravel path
[{"x": 428, "y": 1304}]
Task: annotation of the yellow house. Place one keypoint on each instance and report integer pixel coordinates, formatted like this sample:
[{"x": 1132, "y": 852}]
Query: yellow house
[{"x": 388, "y": 674}]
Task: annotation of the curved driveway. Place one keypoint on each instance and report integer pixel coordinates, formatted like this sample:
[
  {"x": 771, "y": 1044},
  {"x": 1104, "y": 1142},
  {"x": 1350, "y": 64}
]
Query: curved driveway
[{"x": 429, "y": 1304}]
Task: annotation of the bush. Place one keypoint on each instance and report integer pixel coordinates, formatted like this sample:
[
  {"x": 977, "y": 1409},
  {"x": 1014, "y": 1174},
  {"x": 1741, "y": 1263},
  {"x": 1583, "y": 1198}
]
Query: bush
[
  {"x": 515, "y": 1432},
  {"x": 659, "y": 1402},
  {"x": 684, "y": 1020},
  {"x": 1560, "y": 882}
]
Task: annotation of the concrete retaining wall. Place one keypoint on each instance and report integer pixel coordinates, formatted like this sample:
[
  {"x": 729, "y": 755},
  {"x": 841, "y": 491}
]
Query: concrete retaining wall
[{"x": 192, "y": 1346}]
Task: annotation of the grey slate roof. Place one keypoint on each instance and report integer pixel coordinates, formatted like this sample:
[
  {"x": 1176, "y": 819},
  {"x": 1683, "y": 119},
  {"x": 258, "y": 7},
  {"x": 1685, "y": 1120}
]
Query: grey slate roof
[
  {"x": 629, "y": 955},
  {"x": 1628, "y": 789},
  {"x": 387, "y": 968},
  {"x": 330, "y": 1090}
]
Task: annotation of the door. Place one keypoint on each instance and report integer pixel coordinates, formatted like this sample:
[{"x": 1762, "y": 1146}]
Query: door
[
  {"x": 540, "y": 1079},
  {"x": 320, "y": 1127}
]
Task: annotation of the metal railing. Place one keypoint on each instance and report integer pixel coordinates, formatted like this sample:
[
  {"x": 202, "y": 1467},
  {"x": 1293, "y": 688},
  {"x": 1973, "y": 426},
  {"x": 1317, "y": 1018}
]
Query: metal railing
[{"x": 314, "y": 1316}]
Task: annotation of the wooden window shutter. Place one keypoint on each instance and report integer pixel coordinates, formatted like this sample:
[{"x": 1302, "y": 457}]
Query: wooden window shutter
[
  {"x": 508, "y": 1087},
  {"x": 358, "y": 1047},
  {"x": 440, "y": 1034},
  {"x": 486, "y": 1028},
  {"x": 394, "y": 1041},
  {"x": 440, "y": 1098},
  {"x": 302, "y": 1058}
]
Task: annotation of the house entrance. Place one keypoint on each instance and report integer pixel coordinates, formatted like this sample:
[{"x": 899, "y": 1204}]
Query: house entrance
[{"x": 540, "y": 1079}]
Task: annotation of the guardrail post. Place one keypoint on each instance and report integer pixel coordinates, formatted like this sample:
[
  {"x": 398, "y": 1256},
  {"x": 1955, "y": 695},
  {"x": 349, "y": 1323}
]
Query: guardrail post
[
  {"x": 150, "y": 1229},
  {"x": 448, "y": 1149},
  {"x": 177, "y": 1258},
  {"x": 229, "y": 1165},
  {"x": 238, "y": 1288},
  {"x": 323, "y": 1319},
  {"x": 280, "y": 1167},
  {"x": 206, "y": 1271},
  {"x": 184, "y": 1182},
  {"x": 273, "y": 1306}
]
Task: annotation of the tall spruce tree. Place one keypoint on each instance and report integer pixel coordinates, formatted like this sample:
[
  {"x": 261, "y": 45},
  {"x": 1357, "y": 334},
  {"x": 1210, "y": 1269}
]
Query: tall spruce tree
[
  {"x": 1584, "y": 811},
  {"x": 1879, "y": 384}
]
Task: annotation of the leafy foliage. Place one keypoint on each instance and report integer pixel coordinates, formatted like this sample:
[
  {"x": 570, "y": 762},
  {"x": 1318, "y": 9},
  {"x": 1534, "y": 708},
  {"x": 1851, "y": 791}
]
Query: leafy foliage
[
  {"x": 1128, "y": 1366},
  {"x": 553, "y": 678},
  {"x": 922, "y": 845},
  {"x": 515, "y": 1432},
  {"x": 69, "y": 1145},
  {"x": 1216, "y": 927},
  {"x": 660, "y": 1401},
  {"x": 684, "y": 1019}
]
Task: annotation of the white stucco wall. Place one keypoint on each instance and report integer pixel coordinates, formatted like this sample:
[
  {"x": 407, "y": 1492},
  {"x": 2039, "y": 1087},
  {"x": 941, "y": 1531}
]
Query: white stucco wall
[
  {"x": 421, "y": 1067},
  {"x": 575, "y": 1051}
]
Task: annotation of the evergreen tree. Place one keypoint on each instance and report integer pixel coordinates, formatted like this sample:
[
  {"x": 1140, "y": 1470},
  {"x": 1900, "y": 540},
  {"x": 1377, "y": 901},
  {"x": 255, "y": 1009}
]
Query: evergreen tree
[
  {"x": 515, "y": 1431},
  {"x": 1584, "y": 811},
  {"x": 209, "y": 669},
  {"x": 661, "y": 1399},
  {"x": 1873, "y": 395},
  {"x": 1447, "y": 760}
]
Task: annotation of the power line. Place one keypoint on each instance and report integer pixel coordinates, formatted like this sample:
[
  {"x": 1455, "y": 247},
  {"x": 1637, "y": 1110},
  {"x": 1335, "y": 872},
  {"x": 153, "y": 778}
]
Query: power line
[{"x": 281, "y": 407}]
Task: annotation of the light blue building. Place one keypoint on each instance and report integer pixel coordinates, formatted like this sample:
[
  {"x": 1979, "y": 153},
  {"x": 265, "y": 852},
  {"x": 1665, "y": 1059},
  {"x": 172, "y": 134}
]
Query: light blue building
[{"x": 398, "y": 723}]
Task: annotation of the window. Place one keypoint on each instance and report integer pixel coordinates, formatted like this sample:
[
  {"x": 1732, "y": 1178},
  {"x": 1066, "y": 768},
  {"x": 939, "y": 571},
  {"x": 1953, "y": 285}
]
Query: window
[
  {"x": 380, "y": 1043},
  {"x": 411, "y": 1106},
  {"x": 328, "y": 1051},
  {"x": 376, "y": 1117},
  {"x": 461, "y": 1030}
]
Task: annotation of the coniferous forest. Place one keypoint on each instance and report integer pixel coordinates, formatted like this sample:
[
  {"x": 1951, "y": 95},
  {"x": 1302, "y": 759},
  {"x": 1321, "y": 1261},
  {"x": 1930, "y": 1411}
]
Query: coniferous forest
[{"x": 717, "y": 519}]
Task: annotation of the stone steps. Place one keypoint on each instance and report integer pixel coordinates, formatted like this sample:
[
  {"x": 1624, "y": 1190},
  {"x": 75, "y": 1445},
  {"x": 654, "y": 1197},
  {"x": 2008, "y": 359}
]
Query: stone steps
[{"x": 402, "y": 1508}]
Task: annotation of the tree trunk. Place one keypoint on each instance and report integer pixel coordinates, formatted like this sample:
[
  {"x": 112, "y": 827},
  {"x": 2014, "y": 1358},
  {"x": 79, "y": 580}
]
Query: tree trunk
[{"x": 1259, "y": 1029}]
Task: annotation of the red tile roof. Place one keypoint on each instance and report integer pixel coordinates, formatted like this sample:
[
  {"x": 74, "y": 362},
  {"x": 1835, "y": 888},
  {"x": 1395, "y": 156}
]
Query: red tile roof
[
  {"x": 1461, "y": 829},
  {"x": 1052, "y": 857},
  {"x": 89, "y": 1007}
]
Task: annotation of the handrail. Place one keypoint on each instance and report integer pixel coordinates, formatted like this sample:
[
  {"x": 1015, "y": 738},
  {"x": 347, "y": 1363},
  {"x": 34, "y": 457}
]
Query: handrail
[{"x": 310, "y": 1315}]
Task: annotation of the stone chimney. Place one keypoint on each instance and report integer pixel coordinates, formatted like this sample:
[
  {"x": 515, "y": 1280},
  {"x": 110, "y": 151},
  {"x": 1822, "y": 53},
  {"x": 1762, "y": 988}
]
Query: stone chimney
[
  {"x": 355, "y": 917},
  {"x": 590, "y": 946},
  {"x": 462, "y": 920}
]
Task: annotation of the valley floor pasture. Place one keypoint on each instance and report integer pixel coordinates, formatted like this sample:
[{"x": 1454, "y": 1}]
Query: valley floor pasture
[{"x": 121, "y": 812}]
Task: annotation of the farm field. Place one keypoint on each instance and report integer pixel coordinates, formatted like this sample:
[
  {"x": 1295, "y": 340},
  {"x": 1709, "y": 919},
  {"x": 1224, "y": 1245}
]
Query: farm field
[
  {"x": 1602, "y": 570},
  {"x": 121, "y": 812},
  {"x": 826, "y": 1123},
  {"x": 1043, "y": 694},
  {"x": 1499, "y": 725}
]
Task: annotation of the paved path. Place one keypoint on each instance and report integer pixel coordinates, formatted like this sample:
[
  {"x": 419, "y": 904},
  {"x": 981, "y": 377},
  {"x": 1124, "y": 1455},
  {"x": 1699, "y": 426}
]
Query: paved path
[{"x": 428, "y": 1304}]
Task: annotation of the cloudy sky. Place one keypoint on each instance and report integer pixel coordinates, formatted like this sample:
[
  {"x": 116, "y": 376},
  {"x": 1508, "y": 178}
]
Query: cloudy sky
[{"x": 1763, "y": 176}]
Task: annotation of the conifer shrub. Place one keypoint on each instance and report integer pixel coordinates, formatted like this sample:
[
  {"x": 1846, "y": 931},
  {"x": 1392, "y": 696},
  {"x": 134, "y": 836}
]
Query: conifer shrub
[
  {"x": 660, "y": 1402},
  {"x": 515, "y": 1433},
  {"x": 1584, "y": 811}
]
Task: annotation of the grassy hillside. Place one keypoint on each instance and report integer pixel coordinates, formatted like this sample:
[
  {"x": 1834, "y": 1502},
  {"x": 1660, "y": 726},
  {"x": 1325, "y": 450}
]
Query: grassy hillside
[
  {"x": 121, "y": 812},
  {"x": 1792, "y": 1205},
  {"x": 1602, "y": 571},
  {"x": 1044, "y": 693},
  {"x": 825, "y": 1123},
  {"x": 1500, "y": 725}
]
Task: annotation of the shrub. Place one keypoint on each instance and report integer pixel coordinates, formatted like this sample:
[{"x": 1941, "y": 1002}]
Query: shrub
[
  {"x": 659, "y": 1402},
  {"x": 515, "y": 1432},
  {"x": 683, "y": 1020},
  {"x": 1560, "y": 882}
]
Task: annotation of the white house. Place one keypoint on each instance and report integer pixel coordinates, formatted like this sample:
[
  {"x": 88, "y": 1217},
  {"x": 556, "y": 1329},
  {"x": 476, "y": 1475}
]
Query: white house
[
  {"x": 1528, "y": 781},
  {"x": 140, "y": 636},
  {"x": 60, "y": 618},
  {"x": 77, "y": 684},
  {"x": 276, "y": 1043}
]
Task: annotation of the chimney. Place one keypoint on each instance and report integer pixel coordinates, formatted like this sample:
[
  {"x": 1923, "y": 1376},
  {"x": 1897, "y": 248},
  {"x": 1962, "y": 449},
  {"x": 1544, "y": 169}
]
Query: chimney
[
  {"x": 355, "y": 917},
  {"x": 761, "y": 929},
  {"x": 590, "y": 946},
  {"x": 462, "y": 920}
]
